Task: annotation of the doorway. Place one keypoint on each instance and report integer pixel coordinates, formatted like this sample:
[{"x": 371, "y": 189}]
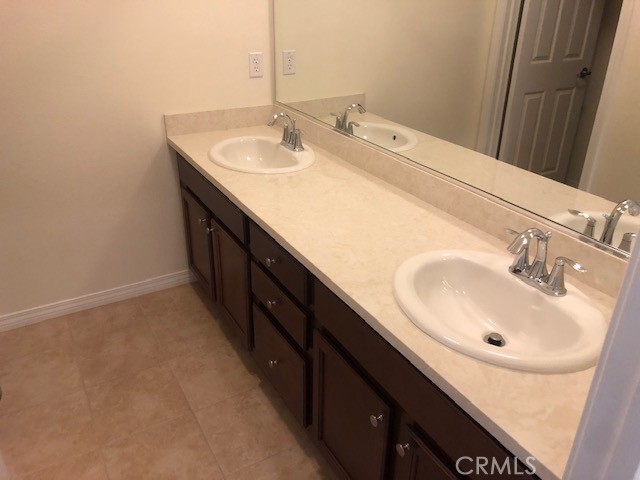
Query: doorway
[{"x": 543, "y": 88}]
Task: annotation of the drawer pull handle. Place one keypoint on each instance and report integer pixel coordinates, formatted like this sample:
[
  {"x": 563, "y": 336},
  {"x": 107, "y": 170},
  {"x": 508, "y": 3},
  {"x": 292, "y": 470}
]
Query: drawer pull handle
[
  {"x": 375, "y": 420},
  {"x": 271, "y": 304},
  {"x": 273, "y": 363},
  {"x": 269, "y": 261},
  {"x": 402, "y": 449}
]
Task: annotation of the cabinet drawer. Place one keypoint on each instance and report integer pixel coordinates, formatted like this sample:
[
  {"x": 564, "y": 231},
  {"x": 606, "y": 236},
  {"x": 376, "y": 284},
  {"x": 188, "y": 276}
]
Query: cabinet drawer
[
  {"x": 286, "y": 370},
  {"x": 284, "y": 310},
  {"x": 230, "y": 215},
  {"x": 446, "y": 424},
  {"x": 279, "y": 262}
]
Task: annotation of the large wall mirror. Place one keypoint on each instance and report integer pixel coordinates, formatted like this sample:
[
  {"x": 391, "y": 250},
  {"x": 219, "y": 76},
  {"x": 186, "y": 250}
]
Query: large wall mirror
[{"x": 499, "y": 94}]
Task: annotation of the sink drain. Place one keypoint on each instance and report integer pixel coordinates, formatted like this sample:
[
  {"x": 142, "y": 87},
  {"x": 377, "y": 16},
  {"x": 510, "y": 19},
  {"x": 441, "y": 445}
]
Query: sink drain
[{"x": 495, "y": 339}]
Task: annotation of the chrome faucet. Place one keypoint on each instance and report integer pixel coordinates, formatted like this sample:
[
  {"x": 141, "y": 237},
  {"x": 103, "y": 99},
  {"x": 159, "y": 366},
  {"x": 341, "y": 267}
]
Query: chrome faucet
[
  {"x": 291, "y": 136},
  {"x": 520, "y": 247},
  {"x": 536, "y": 273},
  {"x": 611, "y": 221},
  {"x": 342, "y": 119}
]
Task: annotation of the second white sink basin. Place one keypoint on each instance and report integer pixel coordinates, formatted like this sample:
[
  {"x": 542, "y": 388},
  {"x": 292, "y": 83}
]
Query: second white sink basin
[
  {"x": 460, "y": 297},
  {"x": 391, "y": 137},
  {"x": 259, "y": 155}
]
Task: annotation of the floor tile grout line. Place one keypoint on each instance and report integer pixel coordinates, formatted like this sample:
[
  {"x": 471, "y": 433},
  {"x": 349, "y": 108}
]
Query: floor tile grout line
[
  {"x": 147, "y": 426},
  {"x": 263, "y": 459},
  {"x": 86, "y": 398},
  {"x": 258, "y": 461},
  {"x": 206, "y": 439},
  {"x": 72, "y": 353},
  {"x": 225, "y": 475},
  {"x": 18, "y": 357},
  {"x": 193, "y": 413}
]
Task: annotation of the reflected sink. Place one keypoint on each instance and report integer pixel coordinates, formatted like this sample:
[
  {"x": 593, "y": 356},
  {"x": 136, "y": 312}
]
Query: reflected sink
[
  {"x": 627, "y": 223},
  {"x": 391, "y": 137},
  {"x": 460, "y": 297},
  {"x": 259, "y": 155}
]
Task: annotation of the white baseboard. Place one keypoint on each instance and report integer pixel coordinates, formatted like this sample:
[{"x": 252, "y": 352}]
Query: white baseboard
[{"x": 38, "y": 314}]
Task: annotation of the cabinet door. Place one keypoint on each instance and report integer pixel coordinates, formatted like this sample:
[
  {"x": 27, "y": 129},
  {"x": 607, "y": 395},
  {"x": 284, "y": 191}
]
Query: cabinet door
[
  {"x": 231, "y": 263},
  {"x": 351, "y": 420},
  {"x": 414, "y": 460},
  {"x": 196, "y": 221}
]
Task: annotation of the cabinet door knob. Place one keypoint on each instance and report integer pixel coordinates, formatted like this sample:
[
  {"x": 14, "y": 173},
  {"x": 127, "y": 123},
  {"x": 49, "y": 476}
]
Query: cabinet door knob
[
  {"x": 271, "y": 304},
  {"x": 211, "y": 230},
  {"x": 202, "y": 220},
  {"x": 273, "y": 363},
  {"x": 375, "y": 420},
  {"x": 269, "y": 261},
  {"x": 402, "y": 449}
]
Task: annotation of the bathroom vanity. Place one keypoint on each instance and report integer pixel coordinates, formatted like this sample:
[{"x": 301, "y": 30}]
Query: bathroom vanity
[{"x": 302, "y": 265}]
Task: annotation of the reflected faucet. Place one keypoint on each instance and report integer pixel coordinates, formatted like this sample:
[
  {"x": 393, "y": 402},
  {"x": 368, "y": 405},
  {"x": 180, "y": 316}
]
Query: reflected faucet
[
  {"x": 342, "y": 119},
  {"x": 611, "y": 221},
  {"x": 291, "y": 136}
]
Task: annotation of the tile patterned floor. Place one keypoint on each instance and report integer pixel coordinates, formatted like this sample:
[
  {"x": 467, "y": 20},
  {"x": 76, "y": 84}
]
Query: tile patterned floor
[{"x": 148, "y": 388}]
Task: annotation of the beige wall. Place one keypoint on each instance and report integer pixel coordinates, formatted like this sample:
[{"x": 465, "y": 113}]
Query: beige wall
[
  {"x": 88, "y": 192},
  {"x": 418, "y": 63},
  {"x": 612, "y": 169}
]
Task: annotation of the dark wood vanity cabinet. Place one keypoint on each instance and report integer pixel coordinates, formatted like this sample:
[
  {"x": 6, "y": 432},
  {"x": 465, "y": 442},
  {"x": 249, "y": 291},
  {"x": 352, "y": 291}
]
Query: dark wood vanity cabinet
[
  {"x": 372, "y": 413},
  {"x": 216, "y": 237}
]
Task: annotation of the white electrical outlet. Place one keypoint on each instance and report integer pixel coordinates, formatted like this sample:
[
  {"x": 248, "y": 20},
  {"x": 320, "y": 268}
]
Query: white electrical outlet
[
  {"x": 255, "y": 65},
  {"x": 288, "y": 62}
]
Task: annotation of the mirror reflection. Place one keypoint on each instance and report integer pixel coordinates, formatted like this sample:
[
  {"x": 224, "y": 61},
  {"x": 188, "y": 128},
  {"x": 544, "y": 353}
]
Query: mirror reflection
[{"x": 500, "y": 94}]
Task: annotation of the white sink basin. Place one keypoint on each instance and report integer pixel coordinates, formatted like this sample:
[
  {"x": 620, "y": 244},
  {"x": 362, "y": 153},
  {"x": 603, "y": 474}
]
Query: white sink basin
[
  {"x": 391, "y": 137},
  {"x": 259, "y": 155},
  {"x": 627, "y": 223},
  {"x": 459, "y": 297}
]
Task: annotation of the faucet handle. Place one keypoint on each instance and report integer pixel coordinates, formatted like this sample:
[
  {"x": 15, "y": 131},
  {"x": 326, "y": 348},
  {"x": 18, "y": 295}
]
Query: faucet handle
[
  {"x": 296, "y": 140},
  {"x": 520, "y": 247},
  {"x": 560, "y": 261},
  {"x": 289, "y": 126},
  {"x": 591, "y": 222},
  {"x": 555, "y": 280},
  {"x": 625, "y": 243},
  {"x": 338, "y": 116}
]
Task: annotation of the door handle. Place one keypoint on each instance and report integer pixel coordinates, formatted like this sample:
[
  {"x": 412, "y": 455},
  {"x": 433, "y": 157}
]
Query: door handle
[{"x": 584, "y": 73}]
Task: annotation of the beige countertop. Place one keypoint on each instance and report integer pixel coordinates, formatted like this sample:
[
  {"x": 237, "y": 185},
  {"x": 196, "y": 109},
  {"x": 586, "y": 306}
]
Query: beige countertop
[{"x": 352, "y": 230}]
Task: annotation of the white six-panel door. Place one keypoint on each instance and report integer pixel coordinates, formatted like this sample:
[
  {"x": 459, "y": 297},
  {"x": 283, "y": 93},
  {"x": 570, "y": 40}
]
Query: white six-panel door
[{"x": 556, "y": 41}]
